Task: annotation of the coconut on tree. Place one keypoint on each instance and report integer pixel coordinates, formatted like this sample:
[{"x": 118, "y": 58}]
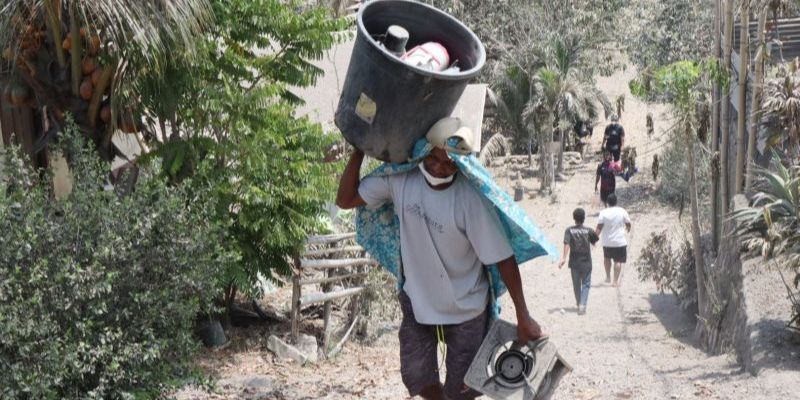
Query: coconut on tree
[{"x": 83, "y": 58}]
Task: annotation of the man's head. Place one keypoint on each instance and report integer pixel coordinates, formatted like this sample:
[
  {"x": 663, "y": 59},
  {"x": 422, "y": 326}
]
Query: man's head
[
  {"x": 439, "y": 164},
  {"x": 447, "y": 135},
  {"x": 614, "y": 118},
  {"x": 579, "y": 215},
  {"x": 612, "y": 200}
]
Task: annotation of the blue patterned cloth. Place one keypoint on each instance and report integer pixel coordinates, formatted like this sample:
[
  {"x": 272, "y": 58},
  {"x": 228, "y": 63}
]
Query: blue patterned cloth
[{"x": 378, "y": 230}]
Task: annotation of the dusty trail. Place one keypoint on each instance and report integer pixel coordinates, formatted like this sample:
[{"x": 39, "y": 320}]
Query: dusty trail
[{"x": 633, "y": 343}]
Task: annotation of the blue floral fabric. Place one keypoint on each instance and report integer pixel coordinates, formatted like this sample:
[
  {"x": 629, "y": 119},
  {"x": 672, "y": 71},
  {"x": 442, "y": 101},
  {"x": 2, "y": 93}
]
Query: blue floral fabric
[{"x": 378, "y": 230}]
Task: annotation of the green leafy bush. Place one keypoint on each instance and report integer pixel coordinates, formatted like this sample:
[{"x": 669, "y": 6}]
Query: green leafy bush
[
  {"x": 673, "y": 184},
  {"x": 98, "y": 291},
  {"x": 671, "y": 269},
  {"x": 235, "y": 134},
  {"x": 770, "y": 225}
]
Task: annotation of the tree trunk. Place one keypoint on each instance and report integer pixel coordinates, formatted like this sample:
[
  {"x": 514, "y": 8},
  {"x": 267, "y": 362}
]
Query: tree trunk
[
  {"x": 758, "y": 90},
  {"x": 75, "y": 50},
  {"x": 545, "y": 159},
  {"x": 715, "y": 220},
  {"x": 744, "y": 70},
  {"x": 697, "y": 247},
  {"x": 726, "y": 109},
  {"x": 560, "y": 151}
]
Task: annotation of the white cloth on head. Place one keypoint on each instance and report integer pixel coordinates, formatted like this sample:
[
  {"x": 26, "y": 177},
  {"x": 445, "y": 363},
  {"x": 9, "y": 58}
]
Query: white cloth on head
[
  {"x": 446, "y": 238},
  {"x": 613, "y": 220}
]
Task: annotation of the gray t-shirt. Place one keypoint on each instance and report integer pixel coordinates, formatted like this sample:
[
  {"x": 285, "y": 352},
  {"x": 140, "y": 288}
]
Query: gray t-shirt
[
  {"x": 446, "y": 236},
  {"x": 580, "y": 238}
]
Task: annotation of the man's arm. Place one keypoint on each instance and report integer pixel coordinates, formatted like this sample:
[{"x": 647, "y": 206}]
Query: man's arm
[
  {"x": 621, "y": 137},
  {"x": 527, "y": 328},
  {"x": 564, "y": 256},
  {"x": 593, "y": 237},
  {"x": 347, "y": 197},
  {"x": 598, "y": 229},
  {"x": 627, "y": 222},
  {"x": 596, "y": 180}
]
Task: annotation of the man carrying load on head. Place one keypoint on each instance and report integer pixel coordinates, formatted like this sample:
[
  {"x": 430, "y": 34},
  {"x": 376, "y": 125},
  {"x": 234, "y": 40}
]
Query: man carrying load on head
[{"x": 450, "y": 230}]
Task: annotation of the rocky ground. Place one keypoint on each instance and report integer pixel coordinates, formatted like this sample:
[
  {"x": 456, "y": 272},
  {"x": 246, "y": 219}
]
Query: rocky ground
[{"x": 634, "y": 343}]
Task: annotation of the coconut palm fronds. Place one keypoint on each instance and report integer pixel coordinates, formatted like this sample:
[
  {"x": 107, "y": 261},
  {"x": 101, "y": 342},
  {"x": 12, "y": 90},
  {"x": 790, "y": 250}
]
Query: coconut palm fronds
[{"x": 496, "y": 147}]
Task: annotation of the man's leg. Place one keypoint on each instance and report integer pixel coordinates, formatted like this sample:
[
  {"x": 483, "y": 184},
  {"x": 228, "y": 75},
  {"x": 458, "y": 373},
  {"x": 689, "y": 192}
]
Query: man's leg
[
  {"x": 418, "y": 360},
  {"x": 576, "y": 285},
  {"x": 463, "y": 342},
  {"x": 620, "y": 258},
  {"x": 586, "y": 284},
  {"x": 607, "y": 263}
]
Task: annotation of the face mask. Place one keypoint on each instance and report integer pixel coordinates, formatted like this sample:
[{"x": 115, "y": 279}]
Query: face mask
[{"x": 432, "y": 180}]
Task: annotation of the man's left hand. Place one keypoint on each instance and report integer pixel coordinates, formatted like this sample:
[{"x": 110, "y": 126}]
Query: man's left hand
[{"x": 528, "y": 329}]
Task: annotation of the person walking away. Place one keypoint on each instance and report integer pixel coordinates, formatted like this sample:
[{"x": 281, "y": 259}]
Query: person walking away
[
  {"x": 448, "y": 233},
  {"x": 578, "y": 243},
  {"x": 614, "y": 137},
  {"x": 612, "y": 225},
  {"x": 583, "y": 132},
  {"x": 607, "y": 177}
]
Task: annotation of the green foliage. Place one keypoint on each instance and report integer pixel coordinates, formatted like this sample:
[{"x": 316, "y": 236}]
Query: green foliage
[
  {"x": 511, "y": 29},
  {"x": 673, "y": 187},
  {"x": 771, "y": 224},
  {"x": 671, "y": 269},
  {"x": 667, "y": 31},
  {"x": 233, "y": 130},
  {"x": 99, "y": 292}
]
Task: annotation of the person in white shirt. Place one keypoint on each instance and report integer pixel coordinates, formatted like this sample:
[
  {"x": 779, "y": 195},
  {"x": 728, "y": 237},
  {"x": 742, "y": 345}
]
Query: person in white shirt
[
  {"x": 448, "y": 234},
  {"x": 612, "y": 225}
]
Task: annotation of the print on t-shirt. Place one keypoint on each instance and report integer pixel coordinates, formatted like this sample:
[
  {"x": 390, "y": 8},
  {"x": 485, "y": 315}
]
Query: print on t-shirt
[{"x": 417, "y": 211}]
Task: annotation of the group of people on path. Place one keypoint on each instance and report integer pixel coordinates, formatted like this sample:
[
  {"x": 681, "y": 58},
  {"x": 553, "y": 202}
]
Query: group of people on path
[{"x": 613, "y": 223}]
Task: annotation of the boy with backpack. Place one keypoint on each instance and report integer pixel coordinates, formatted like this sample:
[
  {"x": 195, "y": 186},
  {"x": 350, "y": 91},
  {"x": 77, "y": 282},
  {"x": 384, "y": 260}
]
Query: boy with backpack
[{"x": 578, "y": 242}]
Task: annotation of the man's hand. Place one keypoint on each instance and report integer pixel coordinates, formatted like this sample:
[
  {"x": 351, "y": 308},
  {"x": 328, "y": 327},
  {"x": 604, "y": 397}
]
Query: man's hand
[
  {"x": 528, "y": 329},
  {"x": 347, "y": 197},
  {"x": 561, "y": 264}
]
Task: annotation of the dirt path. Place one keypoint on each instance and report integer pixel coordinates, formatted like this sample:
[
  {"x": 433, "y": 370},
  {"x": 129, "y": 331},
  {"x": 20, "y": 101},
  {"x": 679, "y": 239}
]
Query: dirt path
[{"x": 633, "y": 343}]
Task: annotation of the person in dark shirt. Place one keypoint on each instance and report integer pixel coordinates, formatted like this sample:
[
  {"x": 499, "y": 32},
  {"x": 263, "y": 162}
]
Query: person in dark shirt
[
  {"x": 578, "y": 242},
  {"x": 607, "y": 177},
  {"x": 614, "y": 137}
]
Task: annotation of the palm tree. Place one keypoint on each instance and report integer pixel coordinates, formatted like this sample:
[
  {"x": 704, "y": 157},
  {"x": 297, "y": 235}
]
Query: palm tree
[
  {"x": 574, "y": 97},
  {"x": 533, "y": 105},
  {"x": 85, "y": 58},
  {"x": 510, "y": 94},
  {"x": 523, "y": 101}
]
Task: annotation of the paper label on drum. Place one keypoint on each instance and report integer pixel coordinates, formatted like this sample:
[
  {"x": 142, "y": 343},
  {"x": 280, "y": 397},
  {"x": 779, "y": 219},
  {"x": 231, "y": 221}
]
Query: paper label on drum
[{"x": 366, "y": 108}]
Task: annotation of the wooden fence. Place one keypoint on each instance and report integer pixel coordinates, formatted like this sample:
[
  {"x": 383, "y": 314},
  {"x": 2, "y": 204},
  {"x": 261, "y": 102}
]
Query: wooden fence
[{"x": 336, "y": 267}]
